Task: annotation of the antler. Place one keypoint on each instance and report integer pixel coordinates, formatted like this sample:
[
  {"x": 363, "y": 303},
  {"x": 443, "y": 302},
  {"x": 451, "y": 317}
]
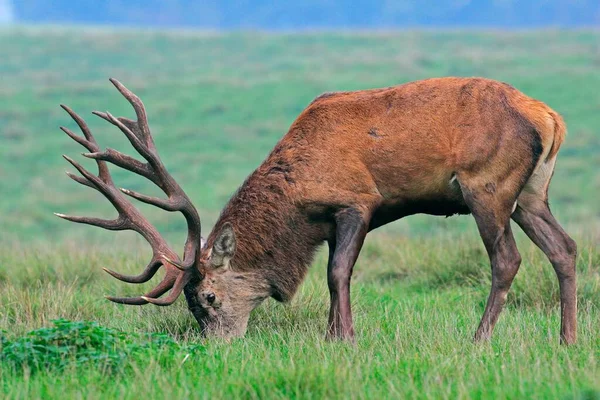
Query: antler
[{"x": 178, "y": 272}]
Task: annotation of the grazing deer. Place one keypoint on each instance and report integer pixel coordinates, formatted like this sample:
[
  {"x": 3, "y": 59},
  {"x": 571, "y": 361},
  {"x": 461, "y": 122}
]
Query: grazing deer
[{"x": 351, "y": 162}]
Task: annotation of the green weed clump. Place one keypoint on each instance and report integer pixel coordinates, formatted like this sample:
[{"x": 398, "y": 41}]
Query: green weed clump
[{"x": 81, "y": 343}]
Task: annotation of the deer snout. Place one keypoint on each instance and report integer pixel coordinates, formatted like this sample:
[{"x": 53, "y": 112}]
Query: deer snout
[{"x": 209, "y": 299}]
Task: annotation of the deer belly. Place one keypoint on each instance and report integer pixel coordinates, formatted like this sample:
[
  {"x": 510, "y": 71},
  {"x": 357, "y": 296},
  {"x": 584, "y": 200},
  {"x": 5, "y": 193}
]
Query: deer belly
[
  {"x": 431, "y": 196},
  {"x": 392, "y": 210}
]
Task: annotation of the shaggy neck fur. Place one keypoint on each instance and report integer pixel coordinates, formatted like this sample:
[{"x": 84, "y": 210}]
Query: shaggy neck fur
[{"x": 273, "y": 239}]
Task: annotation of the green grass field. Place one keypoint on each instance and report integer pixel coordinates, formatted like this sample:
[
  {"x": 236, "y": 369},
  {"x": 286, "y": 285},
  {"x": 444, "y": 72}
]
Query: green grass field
[{"x": 217, "y": 104}]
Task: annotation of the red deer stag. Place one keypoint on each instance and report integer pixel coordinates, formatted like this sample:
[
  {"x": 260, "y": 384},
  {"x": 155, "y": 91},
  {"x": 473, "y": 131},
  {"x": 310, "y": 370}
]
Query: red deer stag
[{"x": 351, "y": 162}]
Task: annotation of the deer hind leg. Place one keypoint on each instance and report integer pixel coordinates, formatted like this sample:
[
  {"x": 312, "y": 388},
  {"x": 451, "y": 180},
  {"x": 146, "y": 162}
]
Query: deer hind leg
[
  {"x": 351, "y": 229},
  {"x": 534, "y": 217},
  {"x": 491, "y": 206}
]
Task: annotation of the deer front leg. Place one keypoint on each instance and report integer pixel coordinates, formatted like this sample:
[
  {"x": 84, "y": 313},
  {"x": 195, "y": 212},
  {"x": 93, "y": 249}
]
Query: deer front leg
[{"x": 351, "y": 229}]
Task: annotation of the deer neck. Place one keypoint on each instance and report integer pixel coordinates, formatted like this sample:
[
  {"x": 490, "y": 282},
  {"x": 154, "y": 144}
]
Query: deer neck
[{"x": 275, "y": 241}]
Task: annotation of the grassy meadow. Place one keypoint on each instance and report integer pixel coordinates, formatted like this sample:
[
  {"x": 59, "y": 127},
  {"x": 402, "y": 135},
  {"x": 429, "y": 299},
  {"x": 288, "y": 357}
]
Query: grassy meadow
[{"x": 217, "y": 104}]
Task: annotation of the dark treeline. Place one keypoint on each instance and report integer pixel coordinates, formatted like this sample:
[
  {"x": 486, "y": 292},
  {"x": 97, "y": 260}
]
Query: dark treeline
[{"x": 299, "y": 14}]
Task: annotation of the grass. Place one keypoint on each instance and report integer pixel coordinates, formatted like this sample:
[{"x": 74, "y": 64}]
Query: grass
[
  {"x": 415, "y": 313},
  {"x": 217, "y": 104}
]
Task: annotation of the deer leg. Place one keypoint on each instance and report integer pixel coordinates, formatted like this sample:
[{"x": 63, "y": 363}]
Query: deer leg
[
  {"x": 505, "y": 260},
  {"x": 534, "y": 217},
  {"x": 351, "y": 229},
  {"x": 492, "y": 214}
]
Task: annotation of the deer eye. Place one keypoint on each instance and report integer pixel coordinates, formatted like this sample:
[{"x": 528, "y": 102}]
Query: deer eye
[{"x": 211, "y": 298}]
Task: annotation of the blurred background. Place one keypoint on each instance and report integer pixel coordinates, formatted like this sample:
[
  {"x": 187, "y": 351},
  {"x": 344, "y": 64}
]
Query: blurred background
[
  {"x": 223, "y": 80},
  {"x": 303, "y": 14}
]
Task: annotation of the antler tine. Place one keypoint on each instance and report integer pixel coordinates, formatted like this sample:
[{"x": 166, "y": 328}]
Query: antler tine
[
  {"x": 145, "y": 276},
  {"x": 122, "y": 160},
  {"x": 85, "y": 143},
  {"x": 155, "y": 201},
  {"x": 140, "y": 111},
  {"x": 81, "y": 123},
  {"x": 97, "y": 182},
  {"x": 134, "y": 139},
  {"x": 129, "y": 217},
  {"x": 89, "y": 142},
  {"x": 180, "y": 283},
  {"x": 119, "y": 202},
  {"x": 175, "y": 283},
  {"x": 130, "y": 301},
  {"x": 109, "y": 224},
  {"x": 80, "y": 180},
  {"x": 131, "y": 124},
  {"x": 162, "y": 288}
]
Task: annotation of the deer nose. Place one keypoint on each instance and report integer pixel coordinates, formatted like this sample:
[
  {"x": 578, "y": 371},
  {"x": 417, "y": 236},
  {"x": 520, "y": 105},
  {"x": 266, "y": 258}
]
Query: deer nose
[{"x": 210, "y": 297}]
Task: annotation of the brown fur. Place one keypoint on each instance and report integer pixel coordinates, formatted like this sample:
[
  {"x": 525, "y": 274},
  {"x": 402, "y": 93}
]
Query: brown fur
[
  {"x": 440, "y": 146},
  {"x": 330, "y": 159},
  {"x": 280, "y": 242}
]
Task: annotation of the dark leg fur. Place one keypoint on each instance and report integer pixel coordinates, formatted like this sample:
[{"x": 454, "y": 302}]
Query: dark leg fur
[
  {"x": 534, "y": 217},
  {"x": 351, "y": 229},
  {"x": 492, "y": 214}
]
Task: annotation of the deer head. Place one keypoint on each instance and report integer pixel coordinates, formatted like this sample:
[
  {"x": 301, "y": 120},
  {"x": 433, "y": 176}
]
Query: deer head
[{"x": 220, "y": 298}]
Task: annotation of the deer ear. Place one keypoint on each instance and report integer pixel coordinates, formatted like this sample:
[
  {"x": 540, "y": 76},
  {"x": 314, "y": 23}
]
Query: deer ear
[{"x": 224, "y": 246}]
